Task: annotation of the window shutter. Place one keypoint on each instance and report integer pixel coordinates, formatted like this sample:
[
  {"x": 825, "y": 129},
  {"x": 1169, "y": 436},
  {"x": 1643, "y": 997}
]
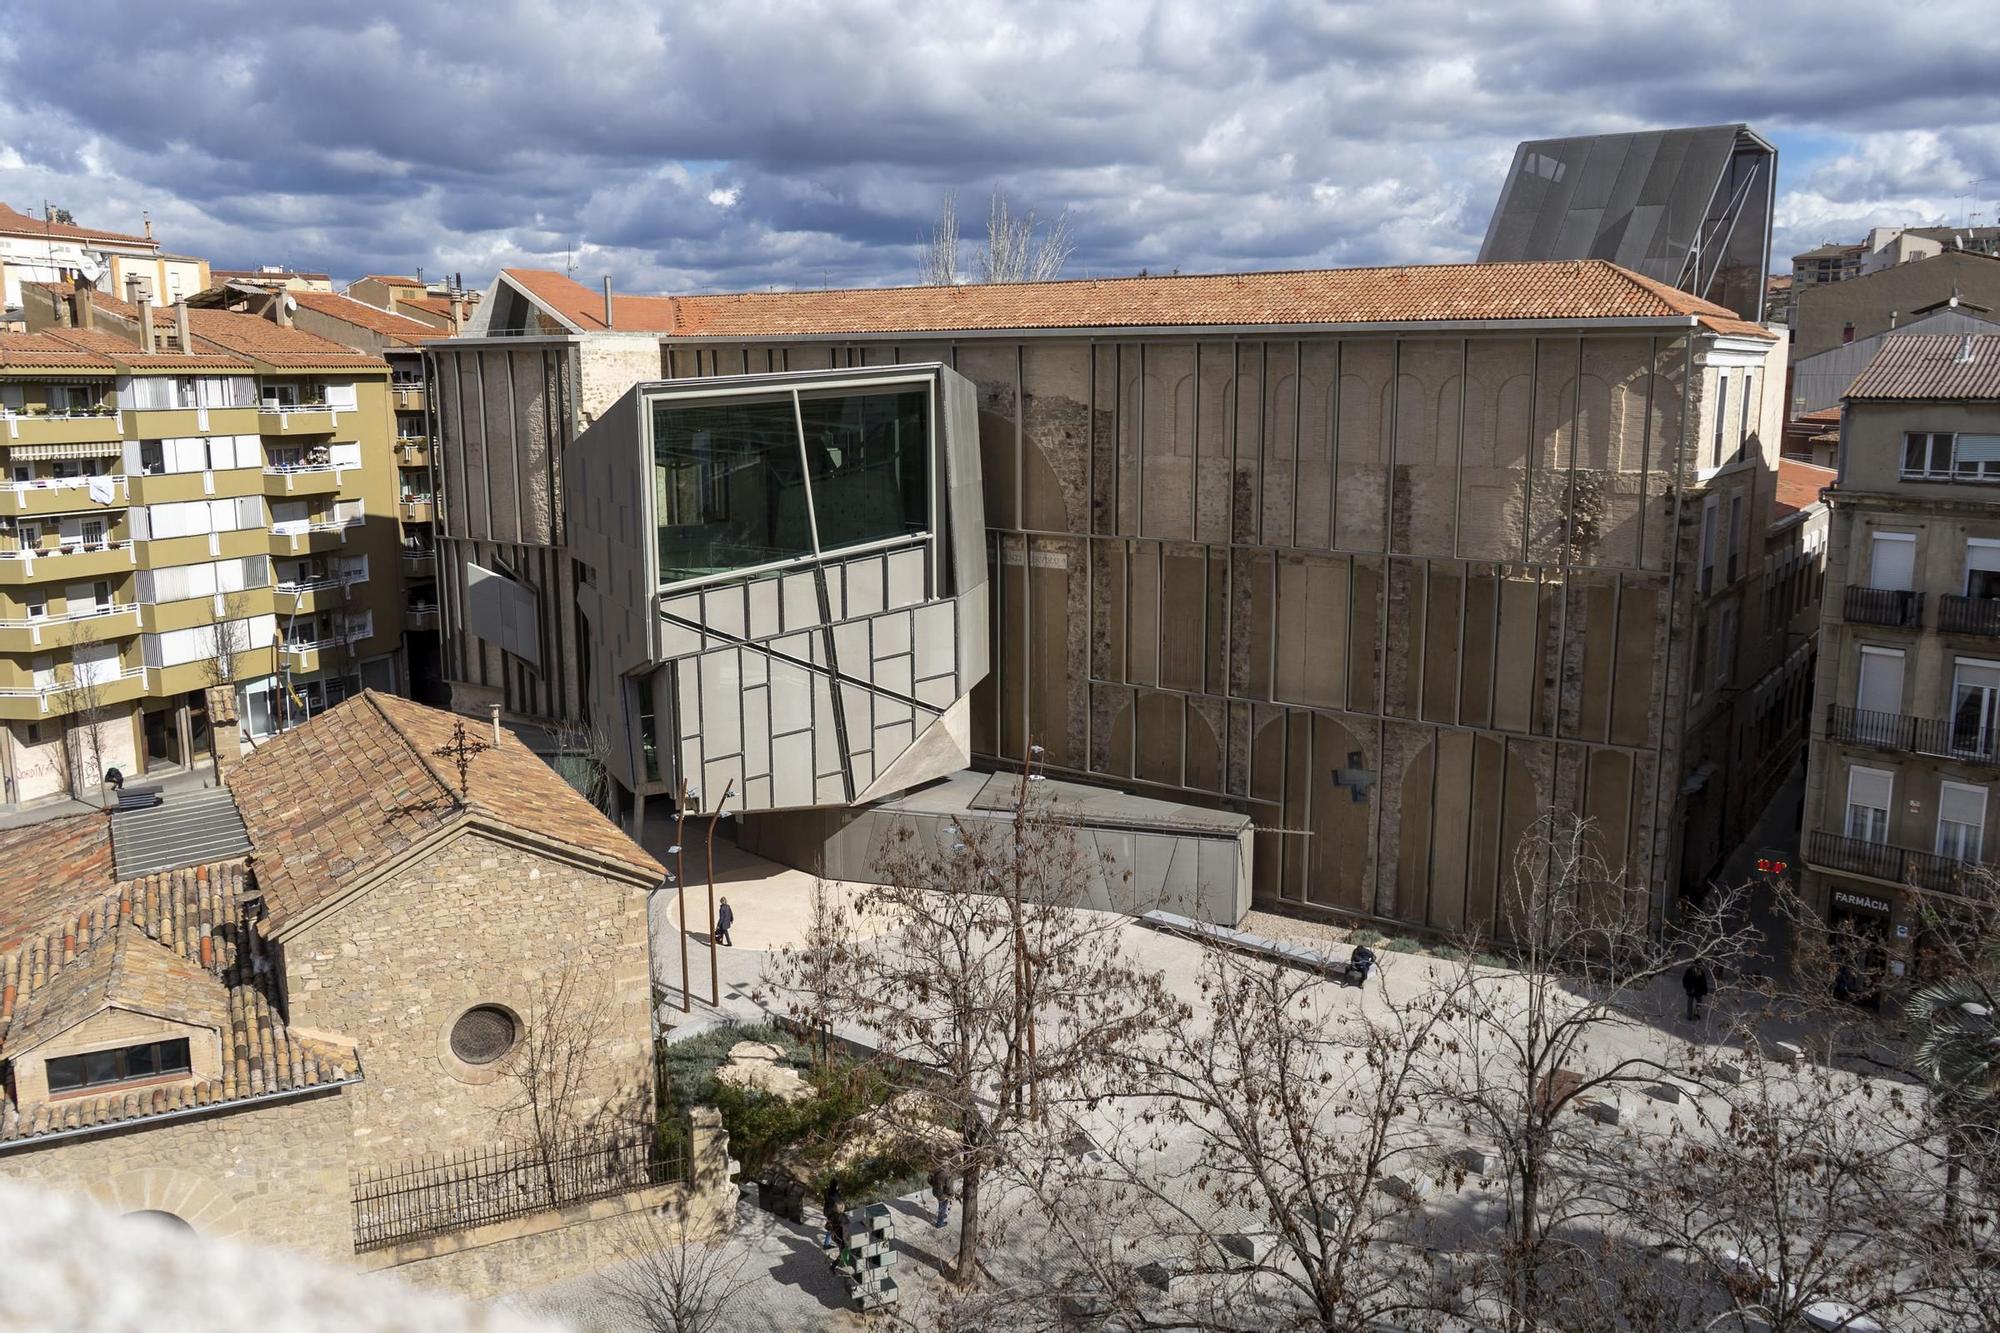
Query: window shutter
[
  {"x": 1977, "y": 449},
  {"x": 1962, "y": 804},
  {"x": 1871, "y": 787}
]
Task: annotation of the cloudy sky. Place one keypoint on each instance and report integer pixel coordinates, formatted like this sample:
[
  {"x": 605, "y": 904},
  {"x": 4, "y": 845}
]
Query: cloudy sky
[{"x": 749, "y": 144}]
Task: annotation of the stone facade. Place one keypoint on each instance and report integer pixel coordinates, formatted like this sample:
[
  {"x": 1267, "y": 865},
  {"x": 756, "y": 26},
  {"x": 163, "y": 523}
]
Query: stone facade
[
  {"x": 273, "y": 1174},
  {"x": 473, "y": 921}
]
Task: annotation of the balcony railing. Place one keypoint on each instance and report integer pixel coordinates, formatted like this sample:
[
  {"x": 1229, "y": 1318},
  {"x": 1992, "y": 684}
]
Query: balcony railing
[
  {"x": 70, "y": 547},
  {"x": 59, "y": 690},
  {"x": 338, "y": 639},
  {"x": 1969, "y": 615},
  {"x": 299, "y": 527},
  {"x": 1883, "y": 606},
  {"x": 21, "y": 490},
  {"x": 1943, "y": 737},
  {"x": 1893, "y": 864},
  {"x": 299, "y": 587}
]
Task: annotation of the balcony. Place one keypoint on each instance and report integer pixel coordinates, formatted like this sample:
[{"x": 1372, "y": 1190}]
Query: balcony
[
  {"x": 302, "y": 479},
  {"x": 299, "y": 535},
  {"x": 414, "y": 509},
  {"x": 1969, "y": 615},
  {"x": 300, "y": 419},
  {"x": 306, "y": 656},
  {"x": 67, "y": 696},
  {"x": 91, "y": 626},
  {"x": 419, "y": 563},
  {"x": 413, "y": 451},
  {"x": 420, "y": 616},
  {"x": 62, "y": 495},
  {"x": 70, "y": 560},
  {"x": 1891, "y": 864},
  {"x": 1942, "y": 738},
  {"x": 59, "y": 427},
  {"x": 407, "y": 397},
  {"x": 1883, "y": 606}
]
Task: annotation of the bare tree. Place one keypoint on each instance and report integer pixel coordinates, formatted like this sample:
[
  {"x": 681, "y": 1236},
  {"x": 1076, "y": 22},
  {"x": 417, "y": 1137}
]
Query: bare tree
[
  {"x": 555, "y": 1073},
  {"x": 583, "y": 752},
  {"x": 670, "y": 1280},
  {"x": 1272, "y": 1147},
  {"x": 85, "y": 735},
  {"x": 1568, "y": 1028},
  {"x": 937, "y": 259},
  {"x": 947, "y": 996},
  {"x": 816, "y": 970},
  {"x": 1017, "y": 249},
  {"x": 224, "y": 641}
]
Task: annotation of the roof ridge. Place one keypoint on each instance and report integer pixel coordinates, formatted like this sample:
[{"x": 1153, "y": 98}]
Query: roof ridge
[{"x": 374, "y": 700}]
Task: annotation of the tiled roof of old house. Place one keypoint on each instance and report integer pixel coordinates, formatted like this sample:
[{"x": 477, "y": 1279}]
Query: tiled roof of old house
[
  {"x": 362, "y": 315},
  {"x": 1799, "y": 485},
  {"x": 1932, "y": 367},
  {"x": 329, "y": 803},
  {"x": 128, "y": 357},
  {"x": 40, "y": 351},
  {"x": 51, "y": 869},
  {"x": 1580, "y": 290},
  {"x": 274, "y": 344},
  {"x": 14, "y": 223},
  {"x": 180, "y": 944}
]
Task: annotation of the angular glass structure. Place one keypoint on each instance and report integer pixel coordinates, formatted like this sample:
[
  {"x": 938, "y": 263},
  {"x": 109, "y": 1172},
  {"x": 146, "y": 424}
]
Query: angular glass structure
[{"x": 1690, "y": 208}]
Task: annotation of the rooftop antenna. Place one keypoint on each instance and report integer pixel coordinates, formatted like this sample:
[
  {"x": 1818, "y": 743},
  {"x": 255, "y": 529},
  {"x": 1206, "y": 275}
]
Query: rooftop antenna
[{"x": 569, "y": 260}]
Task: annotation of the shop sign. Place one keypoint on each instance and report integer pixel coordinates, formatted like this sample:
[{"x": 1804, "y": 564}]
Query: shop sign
[{"x": 1842, "y": 898}]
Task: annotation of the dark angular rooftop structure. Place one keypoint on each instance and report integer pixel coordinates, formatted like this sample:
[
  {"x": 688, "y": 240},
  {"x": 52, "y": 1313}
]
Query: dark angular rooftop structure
[{"x": 1689, "y": 207}]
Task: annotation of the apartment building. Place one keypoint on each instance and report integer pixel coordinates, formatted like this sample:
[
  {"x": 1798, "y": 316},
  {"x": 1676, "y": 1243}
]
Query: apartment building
[
  {"x": 443, "y": 306},
  {"x": 1391, "y": 560},
  {"x": 45, "y": 250},
  {"x": 1906, "y": 742},
  {"x": 1837, "y": 313},
  {"x": 207, "y": 501},
  {"x": 1885, "y": 247}
]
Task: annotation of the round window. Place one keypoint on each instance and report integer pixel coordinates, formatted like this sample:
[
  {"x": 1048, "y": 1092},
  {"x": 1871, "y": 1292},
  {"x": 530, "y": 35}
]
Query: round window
[{"x": 483, "y": 1035}]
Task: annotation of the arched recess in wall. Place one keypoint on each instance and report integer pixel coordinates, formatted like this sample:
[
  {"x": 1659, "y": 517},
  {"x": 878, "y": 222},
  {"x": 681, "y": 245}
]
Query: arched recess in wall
[
  {"x": 1047, "y": 506},
  {"x": 1467, "y": 799},
  {"x": 1164, "y": 721},
  {"x": 1297, "y": 756}
]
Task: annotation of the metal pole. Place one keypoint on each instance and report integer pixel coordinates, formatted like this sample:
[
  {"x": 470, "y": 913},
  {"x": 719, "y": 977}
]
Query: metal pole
[
  {"x": 714, "y": 974},
  {"x": 680, "y": 892}
]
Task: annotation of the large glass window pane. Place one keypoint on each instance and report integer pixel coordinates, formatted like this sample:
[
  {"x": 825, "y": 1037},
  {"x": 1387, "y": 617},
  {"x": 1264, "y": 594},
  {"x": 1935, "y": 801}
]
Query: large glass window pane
[
  {"x": 728, "y": 486},
  {"x": 869, "y": 455}
]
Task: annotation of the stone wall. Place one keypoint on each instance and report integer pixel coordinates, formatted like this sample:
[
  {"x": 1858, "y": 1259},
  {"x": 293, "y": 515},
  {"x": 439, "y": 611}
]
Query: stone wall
[
  {"x": 275, "y": 1173},
  {"x": 477, "y": 921},
  {"x": 548, "y": 1247}
]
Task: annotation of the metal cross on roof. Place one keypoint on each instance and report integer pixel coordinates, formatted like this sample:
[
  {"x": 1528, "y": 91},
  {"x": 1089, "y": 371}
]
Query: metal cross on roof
[
  {"x": 1354, "y": 777},
  {"x": 460, "y": 751}
]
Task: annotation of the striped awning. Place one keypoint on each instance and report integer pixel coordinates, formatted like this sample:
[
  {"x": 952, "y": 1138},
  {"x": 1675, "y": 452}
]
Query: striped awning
[{"x": 28, "y": 453}]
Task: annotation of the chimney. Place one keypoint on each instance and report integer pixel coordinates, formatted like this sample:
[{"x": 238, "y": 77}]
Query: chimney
[
  {"x": 494, "y": 710},
  {"x": 281, "y": 309},
  {"x": 607, "y": 300},
  {"x": 181, "y": 325},
  {"x": 144, "y": 300},
  {"x": 1892, "y": 317},
  {"x": 86, "y": 307},
  {"x": 147, "y": 218},
  {"x": 457, "y": 313}
]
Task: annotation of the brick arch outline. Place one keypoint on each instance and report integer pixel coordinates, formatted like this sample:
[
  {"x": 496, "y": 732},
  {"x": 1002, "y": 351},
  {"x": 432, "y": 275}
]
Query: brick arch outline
[{"x": 195, "y": 1199}]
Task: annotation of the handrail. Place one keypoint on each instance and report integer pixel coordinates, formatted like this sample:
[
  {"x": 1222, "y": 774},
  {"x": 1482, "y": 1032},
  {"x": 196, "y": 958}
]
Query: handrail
[
  {"x": 72, "y": 617},
  {"x": 68, "y": 548}
]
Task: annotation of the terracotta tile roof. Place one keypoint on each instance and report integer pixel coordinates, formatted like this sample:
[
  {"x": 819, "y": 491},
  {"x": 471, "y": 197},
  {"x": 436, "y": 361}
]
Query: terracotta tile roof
[
  {"x": 129, "y": 357},
  {"x": 1565, "y": 290},
  {"x": 163, "y": 316},
  {"x": 1932, "y": 367},
  {"x": 51, "y": 869},
  {"x": 39, "y": 351},
  {"x": 199, "y": 918},
  {"x": 389, "y": 279},
  {"x": 441, "y": 305},
  {"x": 362, "y": 315},
  {"x": 1799, "y": 485},
  {"x": 273, "y": 343},
  {"x": 128, "y": 969},
  {"x": 13, "y": 223},
  {"x": 1825, "y": 416},
  {"x": 328, "y": 803}
]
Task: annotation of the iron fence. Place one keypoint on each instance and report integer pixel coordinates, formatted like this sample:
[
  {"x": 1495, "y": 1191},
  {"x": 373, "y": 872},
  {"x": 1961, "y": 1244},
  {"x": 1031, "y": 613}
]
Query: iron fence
[
  {"x": 1970, "y": 741},
  {"x": 1883, "y": 606},
  {"x": 1896, "y": 865},
  {"x": 1969, "y": 615},
  {"x": 435, "y": 1196}
]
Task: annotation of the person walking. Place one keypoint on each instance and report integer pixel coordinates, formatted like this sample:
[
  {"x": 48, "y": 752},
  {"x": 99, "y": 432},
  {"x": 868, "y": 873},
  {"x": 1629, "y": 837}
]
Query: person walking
[
  {"x": 724, "y": 918},
  {"x": 941, "y": 1188},
  {"x": 835, "y": 1209},
  {"x": 1695, "y": 982}
]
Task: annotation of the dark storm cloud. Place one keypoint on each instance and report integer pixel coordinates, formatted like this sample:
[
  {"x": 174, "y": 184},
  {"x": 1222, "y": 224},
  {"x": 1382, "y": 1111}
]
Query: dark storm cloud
[{"x": 762, "y": 143}]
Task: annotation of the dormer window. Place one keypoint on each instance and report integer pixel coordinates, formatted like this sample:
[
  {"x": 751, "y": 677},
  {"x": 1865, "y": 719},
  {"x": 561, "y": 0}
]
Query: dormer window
[{"x": 125, "y": 1064}]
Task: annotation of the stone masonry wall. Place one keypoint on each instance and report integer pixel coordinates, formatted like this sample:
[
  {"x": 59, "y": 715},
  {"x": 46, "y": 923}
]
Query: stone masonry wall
[
  {"x": 273, "y": 1174},
  {"x": 477, "y": 921}
]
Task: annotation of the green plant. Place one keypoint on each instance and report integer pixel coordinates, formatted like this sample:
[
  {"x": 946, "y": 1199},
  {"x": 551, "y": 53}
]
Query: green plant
[{"x": 1371, "y": 938}]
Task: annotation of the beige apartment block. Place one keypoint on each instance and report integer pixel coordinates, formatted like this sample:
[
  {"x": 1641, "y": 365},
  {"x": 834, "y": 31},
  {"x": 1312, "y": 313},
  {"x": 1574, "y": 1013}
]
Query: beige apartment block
[
  {"x": 1906, "y": 741},
  {"x": 190, "y": 498}
]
